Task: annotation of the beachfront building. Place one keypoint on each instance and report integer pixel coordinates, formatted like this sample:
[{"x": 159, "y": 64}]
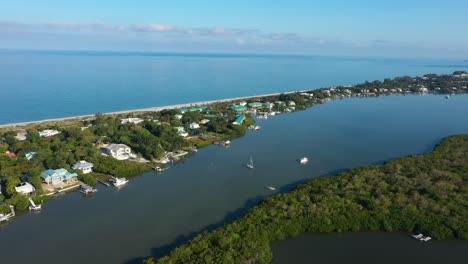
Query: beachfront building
[
  {"x": 54, "y": 177},
  {"x": 30, "y": 155},
  {"x": 239, "y": 120},
  {"x": 48, "y": 132},
  {"x": 133, "y": 120},
  {"x": 84, "y": 166},
  {"x": 22, "y": 135},
  {"x": 25, "y": 188},
  {"x": 292, "y": 103},
  {"x": 192, "y": 109},
  {"x": 118, "y": 151}
]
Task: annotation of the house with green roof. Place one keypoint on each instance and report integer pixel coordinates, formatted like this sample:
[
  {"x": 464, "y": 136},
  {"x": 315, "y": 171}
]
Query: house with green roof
[
  {"x": 239, "y": 120},
  {"x": 54, "y": 177},
  {"x": 192, "y": 109},
  {"x": 238, "y": 107}
]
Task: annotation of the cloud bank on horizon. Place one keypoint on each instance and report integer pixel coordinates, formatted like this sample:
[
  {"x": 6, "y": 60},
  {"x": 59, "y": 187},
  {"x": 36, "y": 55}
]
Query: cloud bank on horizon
[{"x": 163, "y": 36}]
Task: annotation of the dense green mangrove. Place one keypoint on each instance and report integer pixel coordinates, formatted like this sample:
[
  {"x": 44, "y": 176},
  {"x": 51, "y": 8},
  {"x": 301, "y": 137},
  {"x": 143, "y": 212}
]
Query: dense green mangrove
[{"x": 422, "y": 193}]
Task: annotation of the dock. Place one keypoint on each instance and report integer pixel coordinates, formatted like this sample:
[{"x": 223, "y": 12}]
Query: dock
[{"x": 104, "y": 183}]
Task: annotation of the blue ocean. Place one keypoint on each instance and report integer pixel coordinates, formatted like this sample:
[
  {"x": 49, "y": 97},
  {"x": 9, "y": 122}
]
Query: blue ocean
[{"x": 38, "y": 85}]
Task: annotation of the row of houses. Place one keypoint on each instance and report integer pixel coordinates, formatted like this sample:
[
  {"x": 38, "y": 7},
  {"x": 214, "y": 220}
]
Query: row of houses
[{"x": 57, "y": 177}]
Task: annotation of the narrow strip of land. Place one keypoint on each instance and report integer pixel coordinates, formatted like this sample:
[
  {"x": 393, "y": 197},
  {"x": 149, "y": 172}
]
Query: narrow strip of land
[{"x": 142, "y": 110}]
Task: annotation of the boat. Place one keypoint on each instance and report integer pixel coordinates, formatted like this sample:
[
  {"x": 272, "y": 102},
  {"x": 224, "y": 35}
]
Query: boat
[
  {"x": 254, "y": 128},
  {"x": 250, "y": 165},
  {"x": 159, "y": 169},
  {"x": 6, "y": 217},
  {"x": 421, "y": 237},
  {"x": 447, "y": 96},
  {"x": 86, "y": 189},
  {"x": 119, "y": 182},
  {"x": 270, "y": 188},
  {"x": 304, "y": 160},
  {"x": 33, "y": 206}
]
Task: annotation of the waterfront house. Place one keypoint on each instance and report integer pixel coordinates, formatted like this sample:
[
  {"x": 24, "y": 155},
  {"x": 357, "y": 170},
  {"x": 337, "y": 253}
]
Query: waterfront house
[
  {"x": 84, "y": 166},
  {"x": 269, "y": 105},
  {"x": 256, "y": 104},
  {"x": 53, "y": 177},
  {"x": 194, "y": 126},
  {"x": 48, "y": 132},
  {"x": 25, "y": 188},
  {"x": 133, "y": 120},
  {"x": 292, "y": 103},
  {"x": 118, "y": 151},
  {"x": 29, "y": 155},
  {"x": 239, "y": 120},
  {"x": 423, "y": 90}
]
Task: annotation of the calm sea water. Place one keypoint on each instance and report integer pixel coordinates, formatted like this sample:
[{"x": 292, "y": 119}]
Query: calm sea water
[
  {"x": 40, "y": 85},
  {"x": 156, "y": 212}
]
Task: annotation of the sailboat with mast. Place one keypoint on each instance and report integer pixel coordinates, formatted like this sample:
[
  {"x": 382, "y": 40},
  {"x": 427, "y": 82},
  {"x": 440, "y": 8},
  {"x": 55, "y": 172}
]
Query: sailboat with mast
[{"x": 250, "y": 165}]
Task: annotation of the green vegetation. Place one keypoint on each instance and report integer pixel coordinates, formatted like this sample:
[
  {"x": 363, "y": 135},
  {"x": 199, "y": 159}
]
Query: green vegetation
[
  {"x": 425, "y": 193},
  {"x": 157, "y": 136}
]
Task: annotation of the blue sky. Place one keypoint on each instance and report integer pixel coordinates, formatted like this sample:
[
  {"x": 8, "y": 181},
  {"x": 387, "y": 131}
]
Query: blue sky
[{"x": 361, "y": 27}]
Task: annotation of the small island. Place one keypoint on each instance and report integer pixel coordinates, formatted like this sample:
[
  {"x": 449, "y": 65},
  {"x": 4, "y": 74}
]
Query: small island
[
  {"x": 416, "y": 194},
  {"x": 40, "y": 159}
]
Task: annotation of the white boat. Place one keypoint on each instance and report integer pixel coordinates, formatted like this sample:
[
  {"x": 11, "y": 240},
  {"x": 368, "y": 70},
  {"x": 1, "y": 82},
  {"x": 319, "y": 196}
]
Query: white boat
[
  {"x": 119, "y": 182},
  {"x": 304, "y": 160},
  {"x": 6, "y": 217},
  {"x": 250, "y": 165},
  {"x": 270, "y": 188},
  {"x": 159, "y": 169},
  {"x": 86, "y": 189},
  {"x": 421, "y": 237},
  {"x": 447, "y": 96},
  {"x": 33, "y": 206}
]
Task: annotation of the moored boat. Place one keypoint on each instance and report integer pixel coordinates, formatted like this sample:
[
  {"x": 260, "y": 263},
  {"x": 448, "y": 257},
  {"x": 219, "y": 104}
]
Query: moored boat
[
  {"x": 119, "y": 182},
  {"x": 270, "y": 188},
  {"x": 86, "y": 189},
  {"x": 304, "y": 160}
]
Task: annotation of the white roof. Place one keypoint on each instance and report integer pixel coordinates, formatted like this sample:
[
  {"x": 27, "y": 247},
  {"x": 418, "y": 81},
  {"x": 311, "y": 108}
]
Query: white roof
[
  {"x": 82, "y": 164},
  {"x": 116, "y": 146},
  {"x": 25, "y": 188}
]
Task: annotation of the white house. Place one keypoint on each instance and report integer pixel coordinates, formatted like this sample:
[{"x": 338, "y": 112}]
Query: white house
[
  {"x": 423, "y": 90},
  {"x": 118, "y": 151},
  {"x": 20, "y": 136},
  {"x": 181, "y": 131},
  {"x": 243, "y": 103},
  {"x": 134, "y": 120},
  {"x": 204, "y": 121},
  {"x": 269, "y": 105},
  {"x": 48, "y": 132},
  {"x": 84, "y": 166},
  {"x": 292, "y": 103},
  {"x": 25, "y": 188},
  {"x": 178, "y": 116},
  {"x": 194, "y": 125}
]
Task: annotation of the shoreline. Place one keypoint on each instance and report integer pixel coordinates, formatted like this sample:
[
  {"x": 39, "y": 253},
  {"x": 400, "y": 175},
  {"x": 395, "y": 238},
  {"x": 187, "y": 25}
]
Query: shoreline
[{"x": 147, "y": 109}]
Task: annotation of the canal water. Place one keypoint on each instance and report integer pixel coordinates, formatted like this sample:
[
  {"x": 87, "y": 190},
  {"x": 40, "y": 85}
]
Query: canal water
[
  {"x": 367, "y": 248},
  {"x": 156, "y": 212}
]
